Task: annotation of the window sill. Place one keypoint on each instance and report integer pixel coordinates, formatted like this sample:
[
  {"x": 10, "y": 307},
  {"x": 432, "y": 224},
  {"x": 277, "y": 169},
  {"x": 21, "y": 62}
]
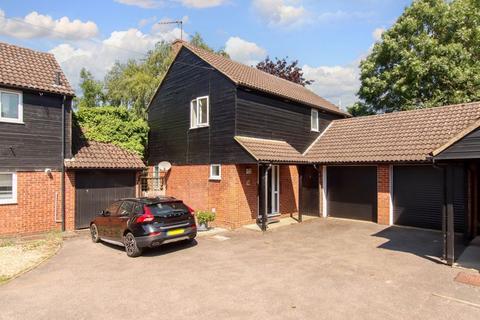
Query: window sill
[
  {"x": 199, "y": 127},
  {"x": 215, "y": 178},
  {"x": 11, "y": 121},
  {"x": 8, "y": 202},
  {"x": 313, "y": 130}
]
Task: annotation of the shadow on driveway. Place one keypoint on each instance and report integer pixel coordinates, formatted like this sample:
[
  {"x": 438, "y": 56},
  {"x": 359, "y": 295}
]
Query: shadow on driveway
[
  {"x": 158, "y": 251},
  {"x": 423, "y": 243}
]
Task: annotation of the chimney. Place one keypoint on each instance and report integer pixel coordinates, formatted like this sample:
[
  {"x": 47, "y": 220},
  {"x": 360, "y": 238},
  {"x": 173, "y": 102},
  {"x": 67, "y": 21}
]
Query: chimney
[{"x": 57, "y": 78}]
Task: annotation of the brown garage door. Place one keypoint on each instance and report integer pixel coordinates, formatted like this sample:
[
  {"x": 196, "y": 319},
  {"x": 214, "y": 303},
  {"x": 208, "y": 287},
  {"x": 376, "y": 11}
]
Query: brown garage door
[
  {"x": 95, "y": 190},
  {"x": 352, "y": 192}
]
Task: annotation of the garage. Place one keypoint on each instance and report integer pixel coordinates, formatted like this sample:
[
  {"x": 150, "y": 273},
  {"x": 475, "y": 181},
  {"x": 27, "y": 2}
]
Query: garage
[
  {"x": 352, "y": 192},
  {"x": 418, "y": 196},
  {"x": 103, "y": 173},
  {"x": 95, "y": 190}
]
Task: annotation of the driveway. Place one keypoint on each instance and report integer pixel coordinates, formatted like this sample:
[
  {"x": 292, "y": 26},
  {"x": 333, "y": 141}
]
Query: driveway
[{"x": 319, "y": 269}]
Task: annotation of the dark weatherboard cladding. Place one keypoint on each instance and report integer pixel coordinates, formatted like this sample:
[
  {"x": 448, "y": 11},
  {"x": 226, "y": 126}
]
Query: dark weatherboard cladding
[
  {"x": 233, "y": 112},
  {"x": 466, "y": 148},
  {"x": 169, "y": 115},
  {"x": 36, "y": 144}
]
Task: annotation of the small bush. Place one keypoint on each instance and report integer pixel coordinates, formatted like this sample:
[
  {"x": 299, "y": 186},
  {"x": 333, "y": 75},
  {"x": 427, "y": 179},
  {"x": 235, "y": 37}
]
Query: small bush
[{"x": 204, "y": 217}]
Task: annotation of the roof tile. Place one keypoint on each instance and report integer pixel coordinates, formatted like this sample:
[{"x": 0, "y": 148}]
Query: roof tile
[
  {"x": 29, "y": 69},
  {"x": 398, "y": 136}
]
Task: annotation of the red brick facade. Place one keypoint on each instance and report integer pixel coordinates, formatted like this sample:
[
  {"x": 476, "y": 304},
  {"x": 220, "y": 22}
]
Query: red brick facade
[
  {"x": 36, "y": 206},
  {"x": 383, "y": 194},
  {"x": 234, "y": 197}
]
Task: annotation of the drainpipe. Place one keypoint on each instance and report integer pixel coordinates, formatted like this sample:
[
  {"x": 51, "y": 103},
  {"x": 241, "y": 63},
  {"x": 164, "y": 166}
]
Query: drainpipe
[{"x": 63, "y": 164}]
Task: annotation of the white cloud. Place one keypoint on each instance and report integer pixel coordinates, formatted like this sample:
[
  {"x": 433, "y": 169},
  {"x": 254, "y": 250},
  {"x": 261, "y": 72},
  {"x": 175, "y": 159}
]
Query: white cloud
[
  {"x": 244, "y": 51},
  {"x": 99, "y": 57},
  {"x": 377, "y": 34},
  {"x": 338, "y": 84},
  {"x": 35, "y": 25},
  {"x": 146, "y": 4},
  {"x": 281, "y": 12},
  {"x": 202, "y": 3}
]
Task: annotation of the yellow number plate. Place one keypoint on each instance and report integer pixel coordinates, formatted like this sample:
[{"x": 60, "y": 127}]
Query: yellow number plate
[{"x": 175, "y": 232}]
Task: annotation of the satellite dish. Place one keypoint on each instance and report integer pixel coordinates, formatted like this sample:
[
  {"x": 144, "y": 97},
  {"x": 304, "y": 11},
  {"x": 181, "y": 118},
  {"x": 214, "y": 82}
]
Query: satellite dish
[{"x": 164, "y": 166}]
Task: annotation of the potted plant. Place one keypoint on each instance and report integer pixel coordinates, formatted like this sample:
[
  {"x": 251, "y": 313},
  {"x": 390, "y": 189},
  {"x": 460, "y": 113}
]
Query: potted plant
[{"x": 203, "y": 218}]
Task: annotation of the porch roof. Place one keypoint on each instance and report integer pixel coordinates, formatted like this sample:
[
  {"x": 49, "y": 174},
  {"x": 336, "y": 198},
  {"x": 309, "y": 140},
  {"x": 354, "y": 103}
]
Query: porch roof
[{"x": 268, "y": 150}]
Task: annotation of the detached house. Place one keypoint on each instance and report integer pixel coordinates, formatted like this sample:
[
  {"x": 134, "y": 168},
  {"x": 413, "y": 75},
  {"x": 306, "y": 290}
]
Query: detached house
[
  {"x": 38, "y": 190},
  {"x": 251, "y": 146},
  {"x": 207, "y": 115}
]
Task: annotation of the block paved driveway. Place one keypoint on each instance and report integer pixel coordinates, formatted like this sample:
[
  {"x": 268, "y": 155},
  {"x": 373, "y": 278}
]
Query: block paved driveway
[{"x": 318, "y": 269}]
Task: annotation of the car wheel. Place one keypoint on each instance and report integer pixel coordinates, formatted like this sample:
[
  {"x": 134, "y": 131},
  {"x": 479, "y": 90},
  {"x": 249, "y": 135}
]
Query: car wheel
[
  {"x": 94, "y": 233},
  {"x": 131, "y": 247}
]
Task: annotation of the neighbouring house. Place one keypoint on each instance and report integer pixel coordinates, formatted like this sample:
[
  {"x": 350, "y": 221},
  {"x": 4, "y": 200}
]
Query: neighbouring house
[
  {"x": 249, "y": 145},
  {"x": 35, "y": 113}
]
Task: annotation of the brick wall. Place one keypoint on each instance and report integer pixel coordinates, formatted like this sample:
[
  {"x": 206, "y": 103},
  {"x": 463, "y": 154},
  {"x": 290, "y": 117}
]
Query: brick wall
[
  {"x": 234, "y": 197},
  {"x": 289, "y": 189},
  {"x": 383, "y": 194},
  {"x": 35, "y": 208}
]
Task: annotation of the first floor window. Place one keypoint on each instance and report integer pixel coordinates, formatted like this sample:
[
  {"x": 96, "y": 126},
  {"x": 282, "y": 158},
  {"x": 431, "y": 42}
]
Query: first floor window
[
  {"x": 314, "y": 120},
  {"x": 11, "y": 109},
  {"x": 8, "y": 188},
  {"x": 199, "y": 112},
  {"x": 215, "y": 172}
]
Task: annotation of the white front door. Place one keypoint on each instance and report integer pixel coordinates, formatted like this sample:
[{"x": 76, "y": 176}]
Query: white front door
[{"x": 273, "y": 194}]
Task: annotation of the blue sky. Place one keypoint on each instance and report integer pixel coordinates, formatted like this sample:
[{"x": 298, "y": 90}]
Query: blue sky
[{"x": 329, "y": 38}]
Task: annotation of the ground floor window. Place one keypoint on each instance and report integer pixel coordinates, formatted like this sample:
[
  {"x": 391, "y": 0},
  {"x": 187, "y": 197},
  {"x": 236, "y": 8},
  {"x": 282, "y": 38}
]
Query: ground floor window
[
  {"x": 215, "y": 172},
  {"x": 8, "y": 188}
]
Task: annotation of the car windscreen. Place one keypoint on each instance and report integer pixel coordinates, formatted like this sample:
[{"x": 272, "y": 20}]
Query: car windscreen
[{"x": 166, "y": 208}]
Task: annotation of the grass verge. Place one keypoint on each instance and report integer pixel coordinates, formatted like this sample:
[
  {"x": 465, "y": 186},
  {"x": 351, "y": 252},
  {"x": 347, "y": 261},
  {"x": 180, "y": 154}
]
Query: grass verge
[{"x": 20, "y": 255}]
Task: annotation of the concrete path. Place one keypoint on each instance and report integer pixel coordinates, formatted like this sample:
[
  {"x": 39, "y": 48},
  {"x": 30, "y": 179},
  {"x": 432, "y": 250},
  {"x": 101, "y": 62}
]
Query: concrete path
[{"x": 329, "y": 269}]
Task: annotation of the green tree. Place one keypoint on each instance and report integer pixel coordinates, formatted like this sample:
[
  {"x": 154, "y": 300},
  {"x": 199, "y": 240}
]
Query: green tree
[
  {"x": 360, "y": 109},
  {"x": 429, "y": 57},
  {"x": 92, "y": 91},
  {"x": 132, "y": 84},
  {"x": 282, "y": 68},
  {"x": 198, "y": 41},
  {"x": 117, "y": 125}
]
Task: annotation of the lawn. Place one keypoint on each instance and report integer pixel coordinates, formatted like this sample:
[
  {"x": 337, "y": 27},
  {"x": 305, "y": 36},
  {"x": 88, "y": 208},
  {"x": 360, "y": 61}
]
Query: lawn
[{"x": 19, "y": 255}]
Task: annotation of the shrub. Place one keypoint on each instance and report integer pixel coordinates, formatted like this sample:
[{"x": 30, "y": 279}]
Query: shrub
[{"x": 204, "y": 217}]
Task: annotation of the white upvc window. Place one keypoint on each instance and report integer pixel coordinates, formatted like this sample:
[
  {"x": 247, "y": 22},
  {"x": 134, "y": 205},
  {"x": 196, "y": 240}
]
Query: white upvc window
[
  {"x": 199, "y": 110},
  {"x": 215, "y": 172},
  {"x": 314, "y": 120},
  {"x": 11, "y": 106},
  {"x": 8, "y": 188}
]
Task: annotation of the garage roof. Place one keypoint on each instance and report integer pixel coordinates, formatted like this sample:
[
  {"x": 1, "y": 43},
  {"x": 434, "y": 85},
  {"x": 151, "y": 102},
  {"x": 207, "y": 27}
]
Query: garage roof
[
  {"x": 98, "y": 155},
  {"x": 399, "y": 136}
]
